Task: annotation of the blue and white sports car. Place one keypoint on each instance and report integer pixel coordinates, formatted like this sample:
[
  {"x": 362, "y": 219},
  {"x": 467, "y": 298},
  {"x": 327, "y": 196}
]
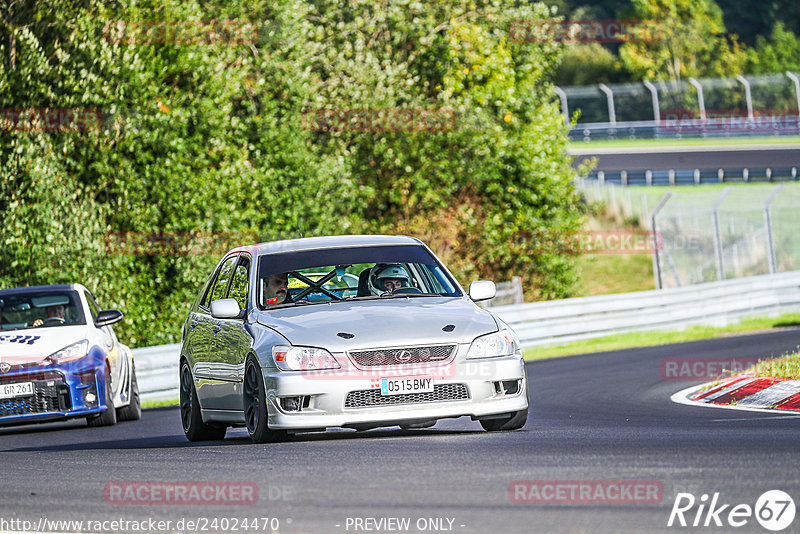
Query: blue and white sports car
[{"x": 60, "y": 358}]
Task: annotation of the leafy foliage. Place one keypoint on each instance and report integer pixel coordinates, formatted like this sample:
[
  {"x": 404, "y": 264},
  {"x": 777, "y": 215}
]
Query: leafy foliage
[
  {"x": 693, "y": 42},
  {"x": 212, "y": 139}
]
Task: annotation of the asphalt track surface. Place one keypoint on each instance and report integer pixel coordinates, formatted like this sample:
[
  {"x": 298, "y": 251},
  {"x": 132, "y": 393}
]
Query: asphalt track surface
[
  {"x": 691, "y": 158},
  {"x": 604, "y": 416}
]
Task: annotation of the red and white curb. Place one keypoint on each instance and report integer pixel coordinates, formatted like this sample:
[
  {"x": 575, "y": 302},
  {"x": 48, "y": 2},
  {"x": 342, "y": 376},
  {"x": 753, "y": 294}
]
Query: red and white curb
[{"x": 745, "y": 392}]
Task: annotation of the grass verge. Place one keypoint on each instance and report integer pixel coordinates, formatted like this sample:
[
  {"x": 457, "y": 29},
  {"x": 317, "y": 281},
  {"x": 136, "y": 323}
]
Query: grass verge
[
  {"x": 662, "y": 143},
  {"x": 660, "y": 337},
  {"x": 159, "y": 403},
  {"x": 784, "y": 367}
]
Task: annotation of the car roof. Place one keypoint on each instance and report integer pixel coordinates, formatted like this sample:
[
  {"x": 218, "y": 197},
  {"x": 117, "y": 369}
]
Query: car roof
[
  {"x": 326, "y": 242},
  {"x": 52, "y": 287}
]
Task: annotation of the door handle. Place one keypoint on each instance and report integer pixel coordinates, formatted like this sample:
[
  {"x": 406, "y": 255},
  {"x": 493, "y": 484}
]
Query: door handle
[
  {"x": 194, "y": 325},
  {"x": 216, "y": 328}
]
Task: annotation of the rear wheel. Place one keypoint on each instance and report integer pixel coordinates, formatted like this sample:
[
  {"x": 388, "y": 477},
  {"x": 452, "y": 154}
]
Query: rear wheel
[
  {"x": 133, "y": 411},
  {"x": 255, "y": 406},
  {"x": 108, "y": 417},
  {"x": 191, "y": 420}
]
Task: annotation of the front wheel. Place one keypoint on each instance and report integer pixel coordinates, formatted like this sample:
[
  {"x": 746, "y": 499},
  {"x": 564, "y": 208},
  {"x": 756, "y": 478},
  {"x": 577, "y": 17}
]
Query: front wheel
[
  {"x": 255, "y": 406},
  {"x": 191, "y": 420},
  {"x": 108, "y": 417},
  {"x": 133, "y": 411}
]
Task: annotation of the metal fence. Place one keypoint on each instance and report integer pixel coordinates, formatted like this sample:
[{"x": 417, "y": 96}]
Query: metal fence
[
  {"x": 713, "y": 107},
  {"x": 719, "y": 235}
]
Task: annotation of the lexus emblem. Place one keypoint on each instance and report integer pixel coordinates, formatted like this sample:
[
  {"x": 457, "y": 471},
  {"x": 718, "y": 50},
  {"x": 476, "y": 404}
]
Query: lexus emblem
[
  {"x": 402, "y": 356},
  {"x": 4, "y": 367}
]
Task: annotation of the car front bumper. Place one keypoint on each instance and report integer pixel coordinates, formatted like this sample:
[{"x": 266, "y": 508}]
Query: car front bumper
[
  {"x": 59, "y": 393},
  {"x": 352, "y": 398}
]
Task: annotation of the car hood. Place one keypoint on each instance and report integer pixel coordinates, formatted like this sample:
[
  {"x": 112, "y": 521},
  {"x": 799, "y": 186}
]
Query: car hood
[
  {"x": 34, "y": 344},
  {"x": 380, "y": 323}
]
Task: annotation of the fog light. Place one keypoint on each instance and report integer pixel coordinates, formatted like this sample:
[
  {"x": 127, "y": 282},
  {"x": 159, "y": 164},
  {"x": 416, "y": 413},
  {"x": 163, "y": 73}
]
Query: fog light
[
  {"x": 294, "y": 404},
  {"x": 90, "y": 396},
  {"x": 507, "y": 387}
]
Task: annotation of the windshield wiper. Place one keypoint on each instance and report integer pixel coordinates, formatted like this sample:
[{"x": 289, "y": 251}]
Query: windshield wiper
[{"x": 407, "y": 295}]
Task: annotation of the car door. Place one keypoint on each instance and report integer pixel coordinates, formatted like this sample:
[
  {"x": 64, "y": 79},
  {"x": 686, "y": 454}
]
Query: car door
[
  {"x": 205, "y": 371},
  {"x": 232, "y": 341}
]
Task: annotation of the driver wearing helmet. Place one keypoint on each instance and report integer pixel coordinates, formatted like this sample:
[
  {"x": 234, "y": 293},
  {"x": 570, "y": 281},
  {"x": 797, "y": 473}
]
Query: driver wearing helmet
[{"x": 387, "y": 278}]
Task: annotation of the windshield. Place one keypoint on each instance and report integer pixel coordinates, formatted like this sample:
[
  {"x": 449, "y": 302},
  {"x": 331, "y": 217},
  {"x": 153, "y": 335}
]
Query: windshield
[
  {"x": 39, "y": 309},
  {"x": 320, "y": 276}
]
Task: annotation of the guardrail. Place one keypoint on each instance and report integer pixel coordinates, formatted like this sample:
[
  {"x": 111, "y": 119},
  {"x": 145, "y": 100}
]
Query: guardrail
[
  {"x": 157, "y": 371},
  {"x": 561, "y": 321},
  {"x": 714, "y": 303},
  {"x": 694, "y": 176}
]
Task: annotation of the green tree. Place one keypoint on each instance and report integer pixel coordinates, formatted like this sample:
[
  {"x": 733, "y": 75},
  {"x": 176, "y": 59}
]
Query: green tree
[
  {"x": 213, "y": 139},
  {"x": 691, "y": 41},
  {"x": 777, "y": 53}
]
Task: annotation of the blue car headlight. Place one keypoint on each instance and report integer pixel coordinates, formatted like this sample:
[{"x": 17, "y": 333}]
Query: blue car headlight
[{"x": 494, "y": 345}]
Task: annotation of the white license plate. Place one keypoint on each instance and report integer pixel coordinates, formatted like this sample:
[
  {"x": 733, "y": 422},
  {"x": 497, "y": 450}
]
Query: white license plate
[
  {"x": 19, "y": 389},
  {"x": 406, "y": 384}
]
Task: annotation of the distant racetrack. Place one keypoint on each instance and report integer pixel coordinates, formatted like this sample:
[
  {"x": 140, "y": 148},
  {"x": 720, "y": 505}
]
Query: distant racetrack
[{"x": 681, "y": 158}]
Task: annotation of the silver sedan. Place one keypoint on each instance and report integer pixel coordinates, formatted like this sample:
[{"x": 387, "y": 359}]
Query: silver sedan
[{"x": 344, "y": 331}]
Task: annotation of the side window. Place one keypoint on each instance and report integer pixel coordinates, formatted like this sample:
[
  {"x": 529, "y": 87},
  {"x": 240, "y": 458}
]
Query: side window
[
  {"x": 93, "y": 308},
  {"x": 220, "y": 285},
  {"x": 239, "y": 284}
]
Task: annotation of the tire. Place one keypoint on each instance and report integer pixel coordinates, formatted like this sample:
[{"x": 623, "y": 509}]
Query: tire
[
  {"x": 513, "y": 422},
  {"x": 191, "y": 420},
  {"x": 108, "y": 417},
  {"x": 255, "y": 406},
  {"x": 133, "y": 411}
]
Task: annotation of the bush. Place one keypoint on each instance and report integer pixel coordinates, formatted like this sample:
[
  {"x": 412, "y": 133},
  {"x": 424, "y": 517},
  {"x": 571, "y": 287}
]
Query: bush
[{"x": 213, "y": 139}]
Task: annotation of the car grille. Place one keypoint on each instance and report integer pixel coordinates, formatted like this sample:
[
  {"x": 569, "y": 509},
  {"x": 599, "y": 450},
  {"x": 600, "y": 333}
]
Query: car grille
[
  {"x": 403, "y": 355},
  {"x": 45, "y": 398},
  {"x": 372, "y": 397},
  {"x": 42, "y": 375}
]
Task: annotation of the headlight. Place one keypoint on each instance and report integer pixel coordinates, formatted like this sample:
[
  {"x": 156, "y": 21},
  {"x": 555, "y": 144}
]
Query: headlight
[
  {"x": 303, "y": 358},
  {"x": 502, "y": 343},
  {"x": 73, "y": 352}
]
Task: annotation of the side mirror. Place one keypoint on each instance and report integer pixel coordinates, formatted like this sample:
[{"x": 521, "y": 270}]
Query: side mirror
[
  {"x": 108, "y": 317},
  {"x": 482, "y": 290},
  {"x": 225, "y": 309}
]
